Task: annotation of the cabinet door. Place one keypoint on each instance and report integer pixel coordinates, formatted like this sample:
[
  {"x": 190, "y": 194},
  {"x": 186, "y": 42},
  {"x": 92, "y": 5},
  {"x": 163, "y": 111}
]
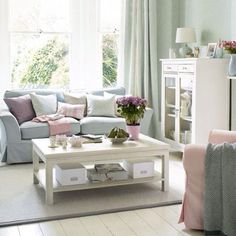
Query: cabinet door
[
  {"x": 185, "y": 108},
  {"x": 169, "y": 106}
]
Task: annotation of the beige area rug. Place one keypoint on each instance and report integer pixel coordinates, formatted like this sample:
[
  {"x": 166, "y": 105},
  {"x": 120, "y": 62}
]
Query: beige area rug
[{"x": 23, "y": 202}]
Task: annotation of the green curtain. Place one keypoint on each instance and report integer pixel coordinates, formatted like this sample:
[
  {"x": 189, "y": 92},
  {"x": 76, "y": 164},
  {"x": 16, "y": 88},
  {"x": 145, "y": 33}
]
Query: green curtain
[{"x": 139, "y": 59}]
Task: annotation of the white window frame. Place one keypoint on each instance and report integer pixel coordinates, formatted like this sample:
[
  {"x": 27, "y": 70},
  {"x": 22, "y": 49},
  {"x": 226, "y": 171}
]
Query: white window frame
[
  {"x": 4, "y": 48},
  {"x": 85, "y": 68}
]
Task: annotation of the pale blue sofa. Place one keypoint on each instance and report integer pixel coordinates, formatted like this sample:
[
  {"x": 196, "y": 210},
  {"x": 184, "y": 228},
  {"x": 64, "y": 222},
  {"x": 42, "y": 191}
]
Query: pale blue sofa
[{"x": 15, "y": 139}]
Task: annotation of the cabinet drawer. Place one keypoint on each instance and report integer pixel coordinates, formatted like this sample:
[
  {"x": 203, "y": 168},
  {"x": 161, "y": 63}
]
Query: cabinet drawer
[
  {"x": 170, "y": 68},
  {"x": 186, "y": 68}
]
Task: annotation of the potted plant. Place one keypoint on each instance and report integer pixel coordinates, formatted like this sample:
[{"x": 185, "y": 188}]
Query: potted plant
[
  {"x": 230, "y": 47},
  {"x": 132, "y": 108}
]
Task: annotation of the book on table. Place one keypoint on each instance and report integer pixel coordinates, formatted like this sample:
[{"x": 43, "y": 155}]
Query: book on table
[{"x": 107, "y": 172}]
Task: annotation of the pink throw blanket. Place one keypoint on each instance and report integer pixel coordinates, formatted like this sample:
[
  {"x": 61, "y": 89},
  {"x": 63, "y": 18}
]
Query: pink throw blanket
[{"x": 57, "y": 125}]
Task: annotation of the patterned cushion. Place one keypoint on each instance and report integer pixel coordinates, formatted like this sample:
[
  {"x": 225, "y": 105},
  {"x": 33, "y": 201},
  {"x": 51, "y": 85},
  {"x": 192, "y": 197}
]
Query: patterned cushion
[
  {"x": 75, "y": 99},
  {"x": 21, "y": 107},
  {"x": 75, "y": 111}
]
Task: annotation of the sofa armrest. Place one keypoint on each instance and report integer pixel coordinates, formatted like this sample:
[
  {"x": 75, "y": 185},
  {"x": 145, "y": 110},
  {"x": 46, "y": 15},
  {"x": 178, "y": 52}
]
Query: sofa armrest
[
  {"x": 221, "y": 136},
  {"x": 3, "y": 142},
  {"x": 193, "y": 158},
  {"x": 146, "y": 121},
  {"x": 193, "y": 201},
  {"x": 11, "y": 126}
]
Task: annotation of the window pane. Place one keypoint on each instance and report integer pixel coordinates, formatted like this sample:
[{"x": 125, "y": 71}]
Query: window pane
[
  {"x": 110, "y": 15},
  {"x": 39, "y": 60},
  {"x": 24, "y": 15},
  {"x": 110, "y": 52},
  {"x": 54, "y": 15},
  {"x": 36, "y": 15}
]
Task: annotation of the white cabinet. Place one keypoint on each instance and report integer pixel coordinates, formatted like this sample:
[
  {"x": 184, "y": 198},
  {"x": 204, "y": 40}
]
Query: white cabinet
[{"x": 195, "y": 99}]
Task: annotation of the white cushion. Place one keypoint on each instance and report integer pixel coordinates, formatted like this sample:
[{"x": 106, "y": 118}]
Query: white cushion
[
  {"x": 100, "y": 106},
  {"x": 44, "y": 104}
]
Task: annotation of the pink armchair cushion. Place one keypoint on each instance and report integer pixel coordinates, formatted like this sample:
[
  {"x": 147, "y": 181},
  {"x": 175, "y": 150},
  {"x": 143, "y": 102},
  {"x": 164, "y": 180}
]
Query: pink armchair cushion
[{"x": 221, "y": 136}]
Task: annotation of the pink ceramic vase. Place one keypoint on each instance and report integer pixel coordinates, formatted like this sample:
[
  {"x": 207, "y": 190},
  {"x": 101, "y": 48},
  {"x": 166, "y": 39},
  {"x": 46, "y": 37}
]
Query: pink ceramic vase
[{"x": 133, "y": 131}]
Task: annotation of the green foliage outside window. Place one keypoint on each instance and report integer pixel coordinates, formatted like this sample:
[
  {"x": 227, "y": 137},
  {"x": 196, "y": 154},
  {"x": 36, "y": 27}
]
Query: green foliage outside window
[
  {"x": 44, "y": 62},
  {"x": 109, "y": 60},
  {"x": 48, "y": 65},
  {"x": 43, "y": 67}
]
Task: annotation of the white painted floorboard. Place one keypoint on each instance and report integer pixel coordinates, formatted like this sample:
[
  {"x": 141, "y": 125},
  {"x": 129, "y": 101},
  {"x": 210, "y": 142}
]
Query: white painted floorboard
[
  {"x": 52, "y": 228},
  {"x": 115, "y": 224},
  {"x": 30, "y": 229},
  {"x": 95, "y": 226},
  {"x": 158, "y": 224},
  {"x": 73, "y": 227},
  {"x": 159, "y": 221},
  {"x": 136, "y": 223},
  {"x": 9, "y": 231}
]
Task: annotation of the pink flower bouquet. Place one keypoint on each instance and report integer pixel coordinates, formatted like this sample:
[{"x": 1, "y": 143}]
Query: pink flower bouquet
[
  {"x": 229, "y": 46},
  {"x": 131, "y": 108}
]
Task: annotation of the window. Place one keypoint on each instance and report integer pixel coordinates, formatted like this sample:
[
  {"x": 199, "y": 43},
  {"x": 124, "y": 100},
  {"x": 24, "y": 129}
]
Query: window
[
  {"x": 110, "y": 29},
  {"x": 64, "y": 43},
  {"x": 39, "y": 43}
]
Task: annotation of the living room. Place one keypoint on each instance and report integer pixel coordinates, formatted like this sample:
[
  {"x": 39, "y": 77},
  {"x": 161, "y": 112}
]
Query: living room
[{"x": 112, "y": 112}]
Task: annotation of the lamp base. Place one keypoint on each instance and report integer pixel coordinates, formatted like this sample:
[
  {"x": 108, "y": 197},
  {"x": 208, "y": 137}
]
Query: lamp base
[{"x": 186, "y": 51}]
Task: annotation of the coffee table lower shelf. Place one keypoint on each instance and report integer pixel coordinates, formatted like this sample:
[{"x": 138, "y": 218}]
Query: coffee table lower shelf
[{"x": 57, "y": 187}]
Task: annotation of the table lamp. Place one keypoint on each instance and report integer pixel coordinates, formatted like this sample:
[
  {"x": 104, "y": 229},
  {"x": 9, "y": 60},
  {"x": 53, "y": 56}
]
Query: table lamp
[{"x": 185, "y": 35}]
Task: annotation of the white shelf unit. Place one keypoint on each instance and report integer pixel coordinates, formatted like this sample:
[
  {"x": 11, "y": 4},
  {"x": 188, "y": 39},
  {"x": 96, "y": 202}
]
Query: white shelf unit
[
  {"x": 205, "y": 81},
  {"x": 57, "y": 187}
]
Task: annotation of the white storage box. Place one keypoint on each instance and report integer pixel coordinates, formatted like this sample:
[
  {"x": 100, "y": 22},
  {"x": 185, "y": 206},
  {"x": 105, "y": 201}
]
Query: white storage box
[
  {"x": 139, "y": 168},
  {"x": 71, "y": 173}
]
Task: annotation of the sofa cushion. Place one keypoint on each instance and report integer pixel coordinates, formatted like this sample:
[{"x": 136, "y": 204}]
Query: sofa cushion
[
  {"x": 30, "y": 129},
  {"x": 69, "y": 110},
  {"x": 76, "y": 98},
  {"x": 100, "y": 106},
  {"x": 21, "y": 107},
  {"x": 44, "y": 104},
  {"x": 100, "y": 125}
]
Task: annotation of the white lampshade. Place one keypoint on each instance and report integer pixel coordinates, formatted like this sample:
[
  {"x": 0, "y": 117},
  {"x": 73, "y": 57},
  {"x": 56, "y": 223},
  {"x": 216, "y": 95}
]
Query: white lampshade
[{"x": 185, "y": 35}]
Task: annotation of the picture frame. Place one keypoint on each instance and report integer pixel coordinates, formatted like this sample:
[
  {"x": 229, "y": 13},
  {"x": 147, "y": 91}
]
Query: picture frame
[{"x": 211, "y": 50}]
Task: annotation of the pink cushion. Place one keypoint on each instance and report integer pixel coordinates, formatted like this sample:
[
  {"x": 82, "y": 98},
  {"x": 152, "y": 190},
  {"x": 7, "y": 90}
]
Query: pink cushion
[
  {"x": 221, "y": 136},
  {"x": 75, "y": 111},
  {"x": 21, "y": 107}
]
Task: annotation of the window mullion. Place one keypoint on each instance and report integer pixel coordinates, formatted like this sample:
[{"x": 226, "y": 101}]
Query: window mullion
[{"x": 39, "y": 32}]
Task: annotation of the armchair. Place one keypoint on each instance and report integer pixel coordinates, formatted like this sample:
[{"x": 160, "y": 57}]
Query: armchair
[{"x": 193, "y": 162}]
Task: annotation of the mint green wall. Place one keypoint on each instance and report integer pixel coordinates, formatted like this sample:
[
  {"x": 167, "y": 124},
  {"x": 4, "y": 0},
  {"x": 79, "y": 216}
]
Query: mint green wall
[{"x": 212, "y": 19}]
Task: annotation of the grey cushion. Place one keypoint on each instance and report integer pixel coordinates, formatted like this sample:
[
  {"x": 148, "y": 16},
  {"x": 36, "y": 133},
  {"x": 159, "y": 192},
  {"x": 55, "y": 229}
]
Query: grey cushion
[
  {"x": 100, "y": 125},
  {"x": 19, "y": 92},
  {"x": 30, "y": 130},
  {"x": 117, "y": 91}
]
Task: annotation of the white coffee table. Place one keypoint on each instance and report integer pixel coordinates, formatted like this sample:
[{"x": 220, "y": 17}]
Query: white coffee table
[{"x": 143, "y": 148}]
